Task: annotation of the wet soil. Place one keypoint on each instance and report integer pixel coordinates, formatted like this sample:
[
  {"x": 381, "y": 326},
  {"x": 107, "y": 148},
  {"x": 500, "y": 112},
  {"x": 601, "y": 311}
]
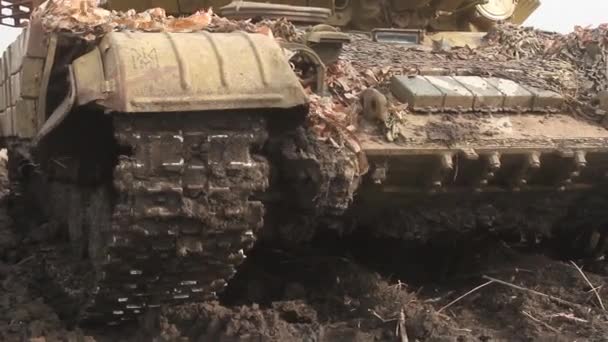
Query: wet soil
[{"x": 356, "y": 288}]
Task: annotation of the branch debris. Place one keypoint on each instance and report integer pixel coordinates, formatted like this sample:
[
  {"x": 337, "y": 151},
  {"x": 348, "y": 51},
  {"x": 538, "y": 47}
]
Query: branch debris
[
  {"x": 569, "y": 317},
  {"x": 521, "y": 288},
  {"x": 597, "y": 294},
  {"x": 546, "y": 325},
  {"x": 465, "y": 295}
]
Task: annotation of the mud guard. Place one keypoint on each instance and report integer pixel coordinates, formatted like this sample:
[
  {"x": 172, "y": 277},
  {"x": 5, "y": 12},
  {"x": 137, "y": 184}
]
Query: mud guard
[{"x": 175, "y": 72}]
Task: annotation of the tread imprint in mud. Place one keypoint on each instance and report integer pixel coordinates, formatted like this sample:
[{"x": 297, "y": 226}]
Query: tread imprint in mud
[{"x": 182, "y": 218}]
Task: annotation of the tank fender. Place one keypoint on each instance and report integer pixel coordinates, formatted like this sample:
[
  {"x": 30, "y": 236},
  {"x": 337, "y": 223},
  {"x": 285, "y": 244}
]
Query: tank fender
[
  {"x": 170, "y": 72},
  {"x": 88, "y": 78}
]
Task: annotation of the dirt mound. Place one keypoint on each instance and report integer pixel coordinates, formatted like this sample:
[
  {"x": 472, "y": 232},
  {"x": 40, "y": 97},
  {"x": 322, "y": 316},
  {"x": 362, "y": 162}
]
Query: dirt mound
[
  {"x": 309, "y": 295},
  {"x": 357, "y": 305},
  {"x": 315, "y": 295},
  {"x": 356, "y": 288}
]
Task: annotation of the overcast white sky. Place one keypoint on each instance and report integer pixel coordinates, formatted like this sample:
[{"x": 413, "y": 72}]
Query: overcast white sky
[{"x": 554, "y": 15}]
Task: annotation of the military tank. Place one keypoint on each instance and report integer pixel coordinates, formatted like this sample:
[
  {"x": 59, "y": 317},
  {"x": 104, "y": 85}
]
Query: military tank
[{"x": 161, "y": 147}]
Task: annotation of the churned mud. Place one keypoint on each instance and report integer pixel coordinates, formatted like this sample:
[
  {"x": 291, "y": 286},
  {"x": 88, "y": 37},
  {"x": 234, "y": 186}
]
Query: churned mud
[{"x": 356, "y": 288}]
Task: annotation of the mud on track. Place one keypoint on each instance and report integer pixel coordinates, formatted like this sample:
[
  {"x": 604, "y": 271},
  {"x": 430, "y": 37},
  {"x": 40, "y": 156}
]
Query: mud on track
[{"x": 354, "y": 289}]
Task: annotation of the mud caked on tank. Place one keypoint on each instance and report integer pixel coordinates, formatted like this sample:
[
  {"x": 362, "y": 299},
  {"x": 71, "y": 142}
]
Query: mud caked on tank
[{"x": 165, "y": 141}]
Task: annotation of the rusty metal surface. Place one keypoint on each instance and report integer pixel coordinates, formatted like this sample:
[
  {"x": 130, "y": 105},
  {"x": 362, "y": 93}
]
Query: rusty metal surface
[{"x": 147, "y": 72}]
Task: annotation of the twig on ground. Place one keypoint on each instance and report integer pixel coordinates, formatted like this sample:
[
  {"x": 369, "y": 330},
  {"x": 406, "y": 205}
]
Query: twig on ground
[
  {"x": 597, "y": 294},
  {"x": 384, "y": 320},
  {"x": 400, "y": 330},
  {"x": 541, "y": 322},
  {"x": 25, "y": 260},
  {"x": 506, "y": 245},
  {"x": 570, "y": 317},
  {"x": 453, "y": 314},
  {"x": 517, "y": 270},
  {"x": 59, "y": 163},
  {"x": 599, "y": 288},
  {"x": 496, "y": 271},
  {"x": 413, "y": 298},
  {"x": 521, "y": 288},
  {"x": 446, "y": 317},
  {"x": 437, "y": 299},
  {"x": 400, "y": 285},
  {"x": 464, "y": 295},
  {"x": 433, "y": 300}
]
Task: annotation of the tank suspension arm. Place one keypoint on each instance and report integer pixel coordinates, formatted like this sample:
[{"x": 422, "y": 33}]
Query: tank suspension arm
[
  {"x": 577, "y": 164},
  {"x": 445, "y": 168},
  {"x": 491, "y": 165},
  {"x": 531, "y": 164}
]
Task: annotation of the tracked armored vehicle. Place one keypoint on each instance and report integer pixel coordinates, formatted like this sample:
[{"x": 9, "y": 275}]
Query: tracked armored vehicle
[{"x": 161, "y": 147}]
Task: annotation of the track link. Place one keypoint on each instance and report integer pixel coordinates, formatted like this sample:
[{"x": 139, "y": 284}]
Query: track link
[{"x": 178, "y": 218}]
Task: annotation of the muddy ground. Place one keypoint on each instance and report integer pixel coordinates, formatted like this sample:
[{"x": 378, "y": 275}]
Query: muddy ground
[{"x": 354, "y": 289}]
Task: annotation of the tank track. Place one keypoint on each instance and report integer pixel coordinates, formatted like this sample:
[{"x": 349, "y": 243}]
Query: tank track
[{"x": 176, "y": 221}]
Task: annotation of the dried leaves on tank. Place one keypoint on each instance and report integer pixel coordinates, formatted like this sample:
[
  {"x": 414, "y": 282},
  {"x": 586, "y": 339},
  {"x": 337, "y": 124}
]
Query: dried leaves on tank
[
  {"x": 87, "y": 20},
  {"x": 573, "y": 65}
]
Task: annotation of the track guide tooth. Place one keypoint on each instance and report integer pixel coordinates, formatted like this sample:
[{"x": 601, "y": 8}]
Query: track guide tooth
[{"x": 531, "y": 164}]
